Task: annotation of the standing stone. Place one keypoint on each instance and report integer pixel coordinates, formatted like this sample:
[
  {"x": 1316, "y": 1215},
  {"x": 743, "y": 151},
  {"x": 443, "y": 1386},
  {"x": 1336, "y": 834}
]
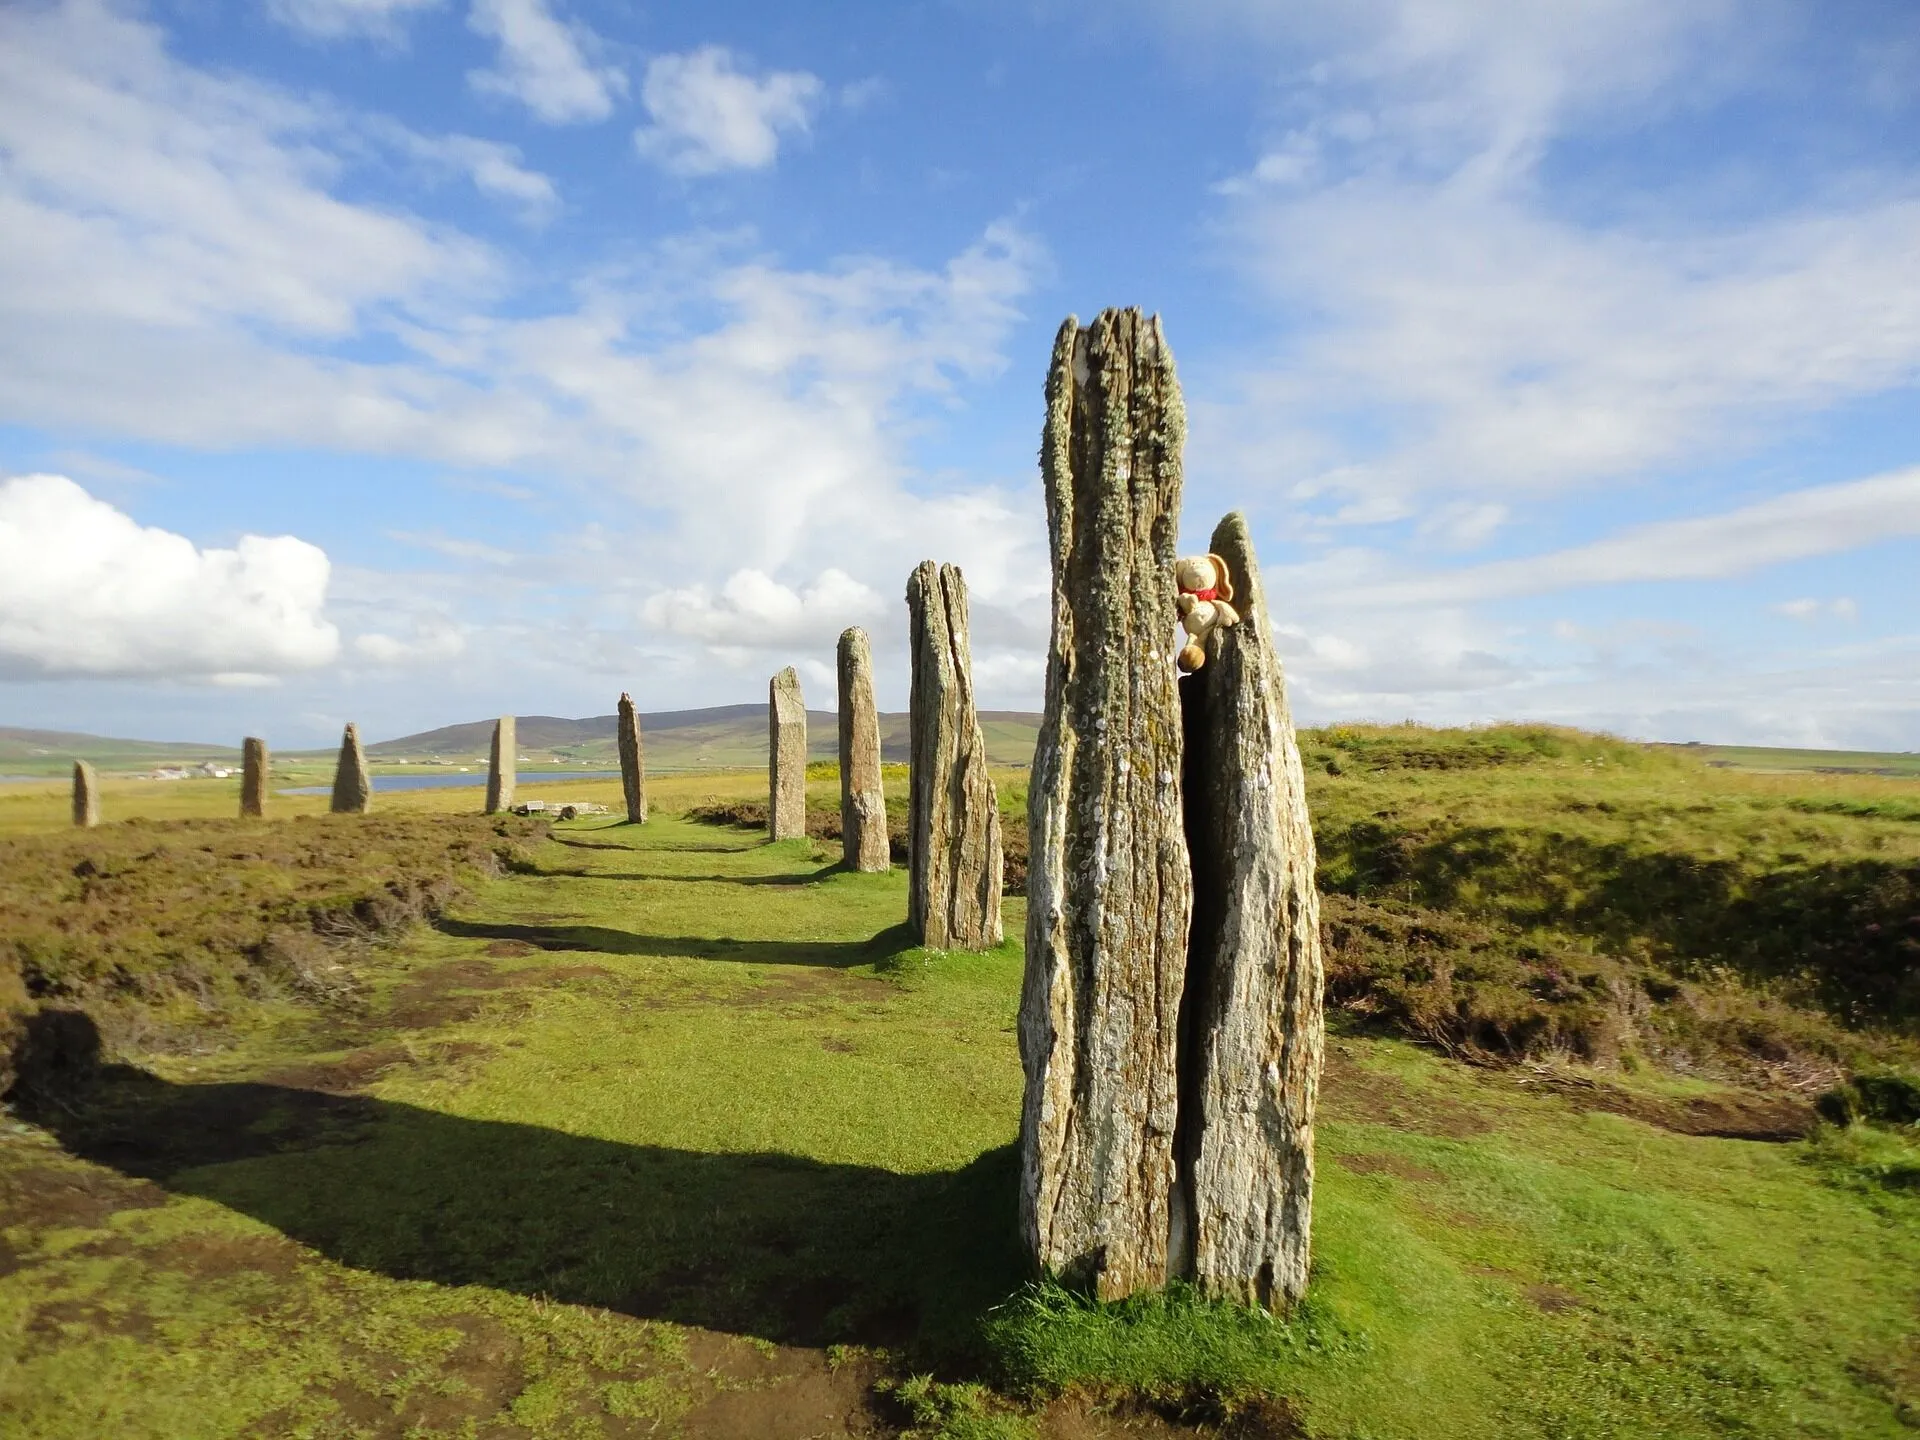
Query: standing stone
[
  {"x": 86, "y": 795},
  {"x": 633, "y": 768},
  {"x": 1252, "y": 1030},
  {"x": 1108, "y": 886},
  {"x": 953, "y": 815},
  {"x": 863, "y": 804},
  {"x": 503, "y": 771},
  {"x": 253, "y": 777},
  {"x": 352, "y": 788},
  {"x": 786, "y": 758}
]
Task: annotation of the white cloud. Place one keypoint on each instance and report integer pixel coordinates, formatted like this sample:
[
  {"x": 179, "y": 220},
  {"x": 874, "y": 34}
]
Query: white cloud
[
  {"x": 753, "y": 611},
  {"x": 1820, "y": 520},
  {"x": 335, "y": 19},
  {"x": 709, "y": 116},
  {"x": 430, "y": 643},
  {"x": 1809, "y": 608},
  {"x": 494, "y": 169},
  {"x": 544, "y": 62},
  {"x": 85, "y": 590}
]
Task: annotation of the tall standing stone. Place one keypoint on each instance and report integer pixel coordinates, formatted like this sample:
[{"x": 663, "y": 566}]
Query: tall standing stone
[
  {"x": 503, "y": 770},
  {"x": 253, "y": 777},
  {"x": 863, "y": 804},
  {"x": 86, "y": 795},
  {"x": 352, "y": 787},
  {"x": 1108, "y": 887},
  {"x": 1252, "y": 1029},
  {"x": 786, "y": 757},
  {"x": 953, "y": 815},
  {"x": 633, "y": 767}
]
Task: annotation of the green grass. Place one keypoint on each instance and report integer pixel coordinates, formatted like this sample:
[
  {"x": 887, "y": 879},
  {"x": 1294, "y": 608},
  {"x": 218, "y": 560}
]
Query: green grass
[{"x": 668, "y": 1124}]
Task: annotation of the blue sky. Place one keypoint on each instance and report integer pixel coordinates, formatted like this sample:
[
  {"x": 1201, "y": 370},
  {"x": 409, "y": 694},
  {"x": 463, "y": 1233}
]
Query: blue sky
[{"x": 408, "y": 361}]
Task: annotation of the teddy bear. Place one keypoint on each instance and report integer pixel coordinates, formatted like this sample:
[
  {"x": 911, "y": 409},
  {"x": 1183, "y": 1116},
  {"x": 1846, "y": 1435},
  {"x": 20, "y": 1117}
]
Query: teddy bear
[{"x": 1205, "y": 589}]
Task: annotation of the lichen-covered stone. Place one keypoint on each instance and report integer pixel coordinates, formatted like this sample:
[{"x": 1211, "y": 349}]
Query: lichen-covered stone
[
  {"x": 1251, "y": 1022},
  {"x": 253, "y": 777},
  {"x": 503, "y": 770},
  {"x": 863, "y": 804},
  {"x": 953, "y": 815},
  {"x": 786, "y": 757},
  {"x": 352, "y": 787},
  {"x": 633, "y": 767},
  {"x": 1108, "y": 888},
  {"x": 86, "y": 795}
]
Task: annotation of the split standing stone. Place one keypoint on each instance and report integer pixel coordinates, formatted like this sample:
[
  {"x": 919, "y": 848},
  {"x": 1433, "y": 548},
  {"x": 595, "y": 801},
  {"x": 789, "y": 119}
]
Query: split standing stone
[
  {"x": 253, "y": 777},
  {"x": 1108, "y": 885},
  {"x": 86, "y": 795},
  {"x": 786, "y": 757},
  {"x": 352, "y": 787},
  {"x": 953, "y": 819},
  {"x": 503, "y": 771},
  {"x": 633, "y": 768},
  {"x": 1252, "y": 1028},
  {"x": 863, "y": 804}
]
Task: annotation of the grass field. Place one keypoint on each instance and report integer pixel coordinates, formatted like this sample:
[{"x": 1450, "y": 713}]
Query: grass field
[{"x": 665, "y": 1130}]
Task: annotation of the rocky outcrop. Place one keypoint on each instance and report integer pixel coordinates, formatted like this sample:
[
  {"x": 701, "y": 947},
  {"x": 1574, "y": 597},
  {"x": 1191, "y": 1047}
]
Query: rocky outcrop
[
  {"x": 786, "y": 758},
  {"x": 1251, "y": 1026},
  {"x": 253, "y": 777},
  {"x": 1108, "y": 888},
  {"x": 863, "y": 803},
  {"x": 503, "y": 771},
  {"x": 633, "y": 768},
  {"x": 86, "y": 795},
  {"x": 953, "y": 814},
  {"x": 352, "y": 787}
]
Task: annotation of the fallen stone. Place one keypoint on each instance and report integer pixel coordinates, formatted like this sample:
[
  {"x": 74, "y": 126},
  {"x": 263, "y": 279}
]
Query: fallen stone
[
  {"x": 786, "y": 757},
  {"x": 953, "y": 815},
  {"x": 1108, "y": 884},
  {"x": 863, "y": 803}
]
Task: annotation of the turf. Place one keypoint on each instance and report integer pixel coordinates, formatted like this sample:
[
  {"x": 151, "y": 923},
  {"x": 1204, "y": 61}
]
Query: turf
[{"x": 667, "y": 1130}]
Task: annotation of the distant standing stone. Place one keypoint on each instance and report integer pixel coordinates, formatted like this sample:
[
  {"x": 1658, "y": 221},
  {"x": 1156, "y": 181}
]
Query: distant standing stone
[
  {"x": 786, "y": 757},
  {"x": 1252, "y": 1025},
  {"x": 502, "y": 771},
  {"x": 863, "y": 804},
  {"x": 253, "y": 777},
  {"x": 953, "y": 820},
  {"x": 352, "y": 788},
  {"x": 1109, "y": 894},
  {"x": 86, "y": 795},
  {"x": 633, "y": 769}
]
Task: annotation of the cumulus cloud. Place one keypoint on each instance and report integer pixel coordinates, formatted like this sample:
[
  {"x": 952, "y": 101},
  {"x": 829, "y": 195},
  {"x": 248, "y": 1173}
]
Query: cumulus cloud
[
  {"x": 544, "y": 62},
  {"x": 336, "y": 19},
  {"x": 709, "y": 116},
  {"x": 87, "y": 591},
  {"x": 751, "y": 610}
]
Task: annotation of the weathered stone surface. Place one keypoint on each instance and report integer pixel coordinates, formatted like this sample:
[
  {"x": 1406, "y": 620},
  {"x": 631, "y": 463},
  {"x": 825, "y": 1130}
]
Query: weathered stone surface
[
  {"x": 253, "y": 777},
  {"x": 863, "y": 803},
  {"x": 352, "y": 788},
  {"x": 953, "y": 815},
  {"x": 786, "y": 757},
  {"x": 1252, "y": 1031},
  {"x": 633, "y": 765},
  {"x": 1108, "y": 887},
  {"x": 86, "y": 795},
  {"x": 503, "y": 769}
]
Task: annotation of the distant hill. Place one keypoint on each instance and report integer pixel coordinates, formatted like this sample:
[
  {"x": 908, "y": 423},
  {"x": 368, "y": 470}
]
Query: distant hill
[
  {"x": 719, "y": 737},
  {"x": 48, "y": 752}
]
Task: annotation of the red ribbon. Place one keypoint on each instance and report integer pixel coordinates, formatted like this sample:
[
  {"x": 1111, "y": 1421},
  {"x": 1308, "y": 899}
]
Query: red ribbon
[{"x": 1212, "y": 593}]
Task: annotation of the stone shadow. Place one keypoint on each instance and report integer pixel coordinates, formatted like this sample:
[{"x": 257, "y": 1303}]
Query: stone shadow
[
  {"x": 830, "y": 954},
  {"x": 777, "y": 1246}
]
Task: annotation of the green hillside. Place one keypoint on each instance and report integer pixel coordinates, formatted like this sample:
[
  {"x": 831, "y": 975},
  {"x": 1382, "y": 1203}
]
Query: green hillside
[{"x": 52, "y": 752}]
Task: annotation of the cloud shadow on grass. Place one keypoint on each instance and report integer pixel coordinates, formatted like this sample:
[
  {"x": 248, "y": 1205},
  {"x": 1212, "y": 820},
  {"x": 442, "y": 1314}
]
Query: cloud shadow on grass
[{"x": 605, "y": 940}]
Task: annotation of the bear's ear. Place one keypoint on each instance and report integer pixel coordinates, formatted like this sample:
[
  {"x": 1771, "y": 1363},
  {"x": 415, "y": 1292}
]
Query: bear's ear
[{"x": 1223, "y": 582}]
